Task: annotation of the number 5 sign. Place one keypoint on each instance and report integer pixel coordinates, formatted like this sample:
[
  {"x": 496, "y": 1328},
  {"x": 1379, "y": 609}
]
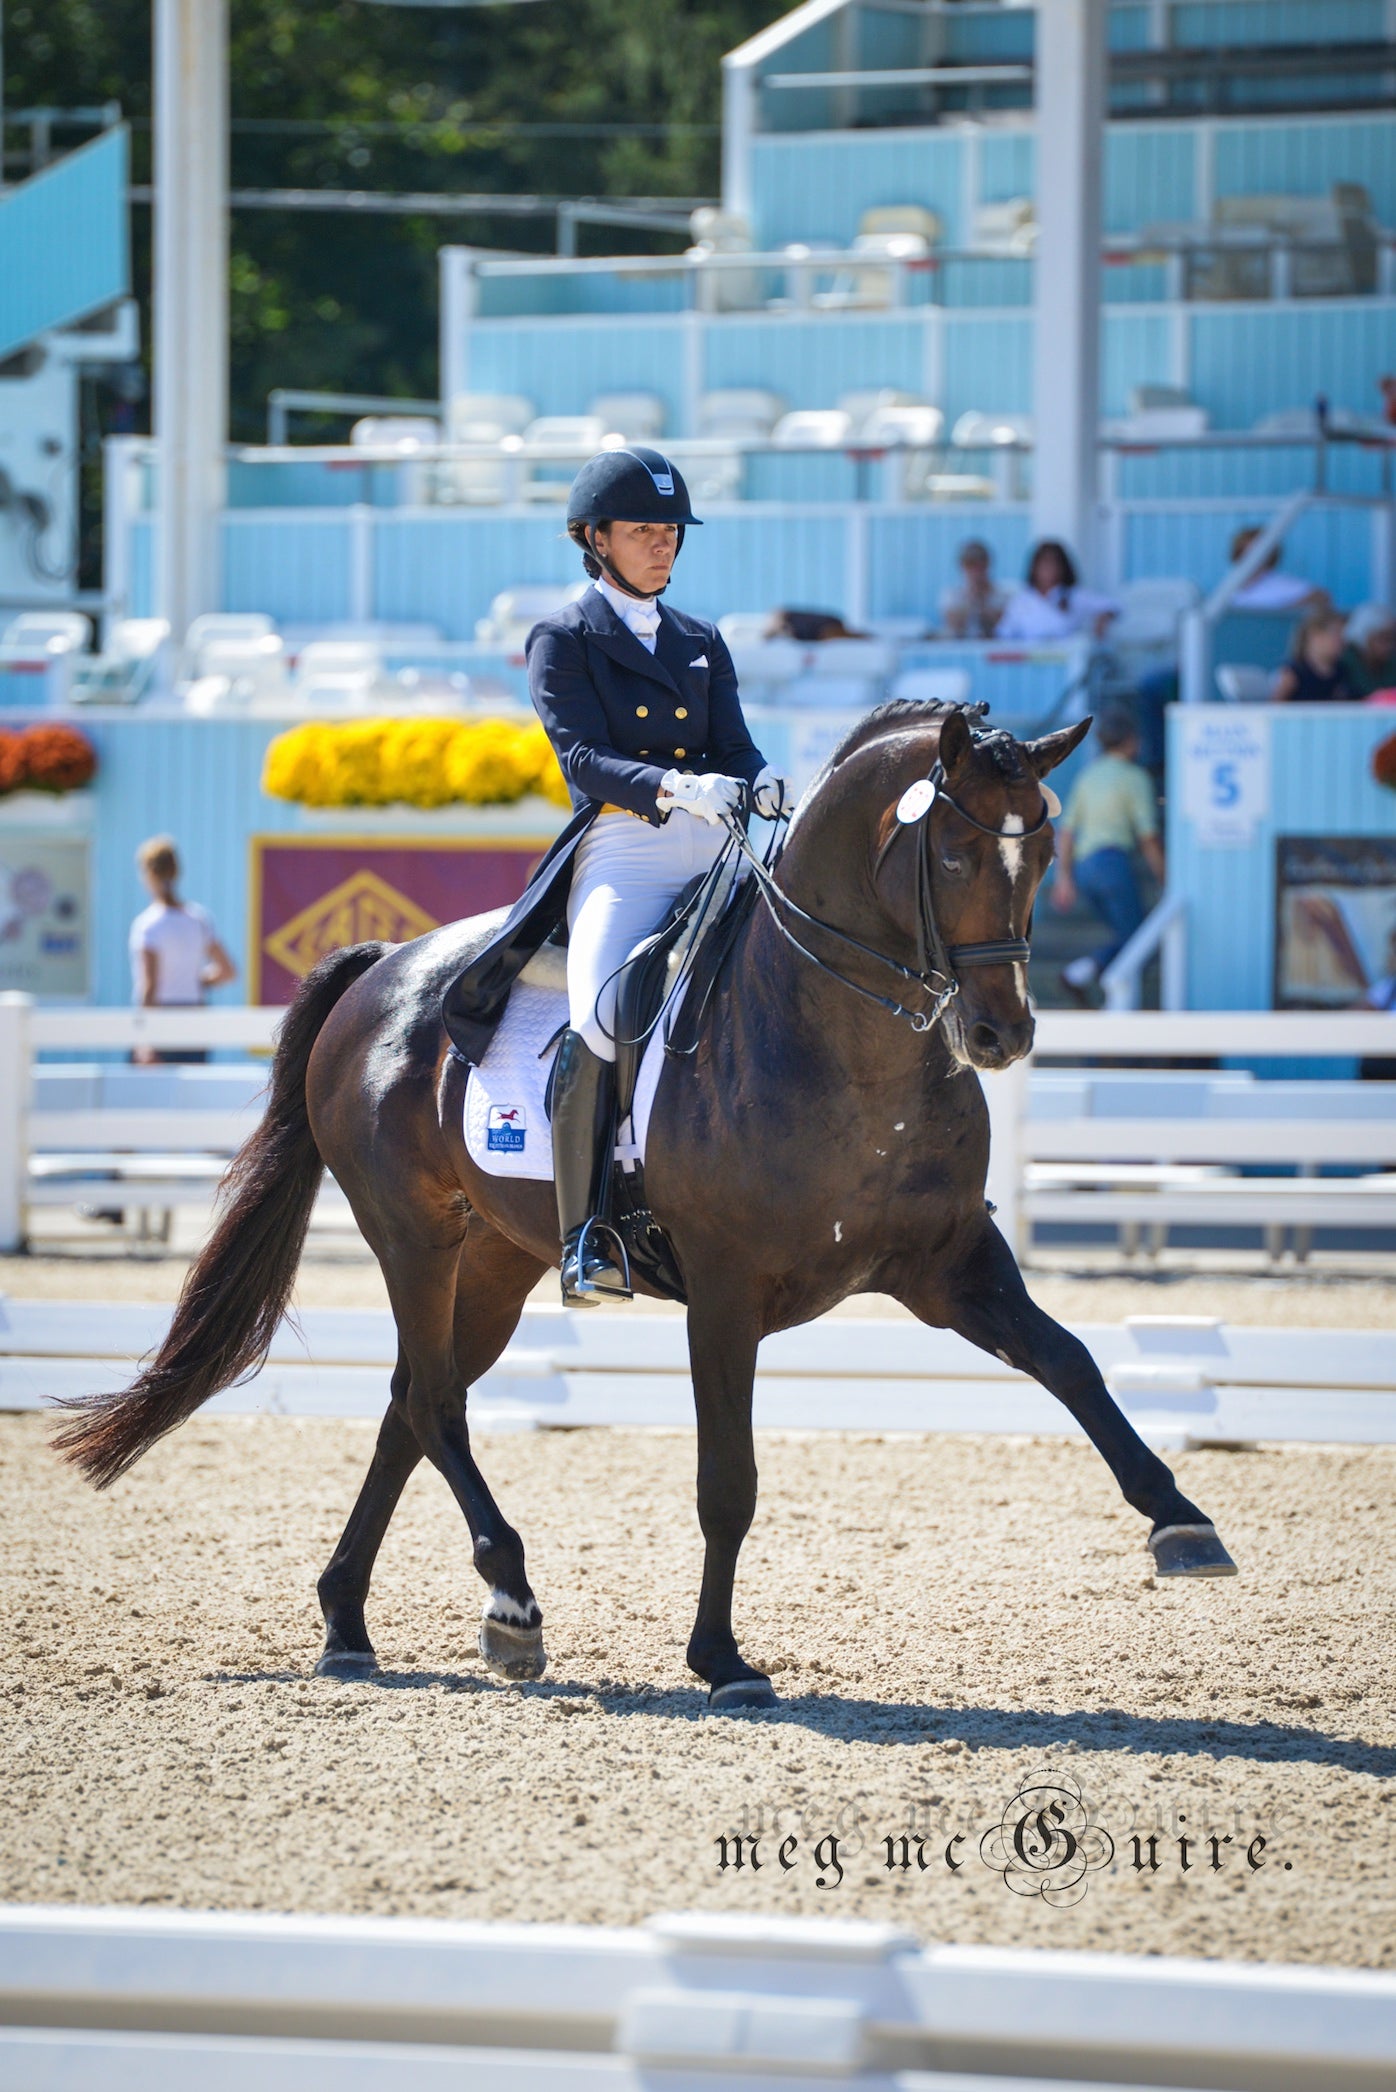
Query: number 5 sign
[{"x": 1226, "y": 772}]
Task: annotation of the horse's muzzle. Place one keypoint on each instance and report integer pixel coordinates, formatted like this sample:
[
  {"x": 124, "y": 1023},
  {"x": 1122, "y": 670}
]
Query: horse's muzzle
[{"x": 996, "y": 1042}]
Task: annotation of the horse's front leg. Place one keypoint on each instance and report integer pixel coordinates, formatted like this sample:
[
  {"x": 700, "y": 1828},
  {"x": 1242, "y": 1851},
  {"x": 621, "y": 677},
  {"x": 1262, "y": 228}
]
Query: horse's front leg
[
  {"x": 722, "y": 1344},
  {"x": 985, "y": 1300}
]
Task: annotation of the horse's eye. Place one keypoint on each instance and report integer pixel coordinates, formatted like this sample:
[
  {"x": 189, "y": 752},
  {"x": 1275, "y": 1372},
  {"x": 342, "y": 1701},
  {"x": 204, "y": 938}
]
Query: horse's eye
[{"x": 953, "y": 864}]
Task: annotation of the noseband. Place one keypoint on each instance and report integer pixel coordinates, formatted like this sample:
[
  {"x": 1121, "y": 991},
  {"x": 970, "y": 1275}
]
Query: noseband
[{"x": 937, "y": 964}]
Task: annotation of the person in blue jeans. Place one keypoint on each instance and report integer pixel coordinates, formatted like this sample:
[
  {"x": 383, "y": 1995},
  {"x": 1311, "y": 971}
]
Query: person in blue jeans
[{"x": 1111, "y": 820}]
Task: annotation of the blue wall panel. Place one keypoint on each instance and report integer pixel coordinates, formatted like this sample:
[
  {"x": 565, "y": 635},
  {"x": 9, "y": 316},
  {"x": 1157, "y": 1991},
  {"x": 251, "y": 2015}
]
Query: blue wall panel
[
  {"x": 295, "y": 566},
  {"x": 1258, "y": 360},
  {"x": 64, "y": 242},
  {"x": 811, "y": 362},
  {"x": 563, "y": 366},
  {"x": 1307, "y": 158},
  {"x": 1221, "y": 22},
  {"x": 1321, "y": 784},
  {"x": 755, "y": 562},
  {"x": 818, "y": 188},
  {"x": 1006, "y": 163},
  {"x": 446, "y": 570},
  {"x": 1149, "y": 175},
  {"x": 1329, "y": 546},
  {"x": 1134, "y": 351},
  {"x": 911, "y": 559},
  {"x": 988, "y": 364},
  {"x": 140, "y": 548}
]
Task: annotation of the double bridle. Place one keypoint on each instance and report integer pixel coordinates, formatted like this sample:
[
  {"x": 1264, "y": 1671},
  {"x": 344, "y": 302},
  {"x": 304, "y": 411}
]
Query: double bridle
[{"x": 938, "y": 964}]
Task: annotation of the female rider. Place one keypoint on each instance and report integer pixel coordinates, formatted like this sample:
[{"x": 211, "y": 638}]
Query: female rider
[{"x": 640, "y": 703}]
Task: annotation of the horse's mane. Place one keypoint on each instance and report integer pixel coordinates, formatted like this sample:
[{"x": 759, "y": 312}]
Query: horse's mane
[{"x": 999, "y": 745}]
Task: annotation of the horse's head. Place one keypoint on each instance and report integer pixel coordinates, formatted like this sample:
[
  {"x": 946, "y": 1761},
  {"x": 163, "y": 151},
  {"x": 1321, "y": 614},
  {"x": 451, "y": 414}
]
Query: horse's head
[
  {"x": 955, "y": 883},
  {"x": 988, "y": 841}
]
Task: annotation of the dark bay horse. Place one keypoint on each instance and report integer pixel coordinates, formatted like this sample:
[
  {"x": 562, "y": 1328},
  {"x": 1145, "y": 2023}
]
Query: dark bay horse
[{"x": 815, "y": 1147}]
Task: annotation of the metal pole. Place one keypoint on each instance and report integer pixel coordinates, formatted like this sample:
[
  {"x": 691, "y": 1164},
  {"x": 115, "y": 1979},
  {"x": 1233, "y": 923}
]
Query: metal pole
[
  {"x": 1071, "y": 76},
  {"x": 191, "y": 302},
  {"x": 15, "y": 1081}
]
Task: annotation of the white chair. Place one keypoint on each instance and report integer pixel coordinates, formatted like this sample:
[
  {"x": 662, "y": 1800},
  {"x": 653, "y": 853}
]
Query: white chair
[
  {"x": 813, "y": 428},
  {"x": 342, "y": 673},
  {"x": 745, "y": 627},
  {"x": 395, "y": 432},
  {"x": 769, "y": 665},
  {"x": 720, "y": 286},
  {"x": 135, "y": 650},
  {"x": 571, "y": 438},
  {"x": 515, "y": 611},
  {"x": 236, "y": 627},
  {"x": 900, "y": 425},
  {"x": 1242, "y": 683},
  {"x": 1150, "y": 613},
  {"x": 931, "y": 686},
  {"x": 49, "y": 632},
  {"x": 890, "y": 234},
  {"x": 1160, "y": 414},
  {"x": 1008, "y": 230},
  {"x": 922, "y": 482},
  {"x": 980, "y": 431},
  {"x": 638, "y": 416},
  {"x": 875, "y": 659},
  {"x": 479, "y": 417},
  {"x": 738, "y": 412}
]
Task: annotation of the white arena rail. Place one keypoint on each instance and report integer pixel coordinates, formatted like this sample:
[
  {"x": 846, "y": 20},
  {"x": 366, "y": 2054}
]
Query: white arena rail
[{"x": 157, "y": 2001}]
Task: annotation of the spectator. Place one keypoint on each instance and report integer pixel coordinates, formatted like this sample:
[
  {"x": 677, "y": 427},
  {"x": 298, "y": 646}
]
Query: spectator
[
  {"x": 972, "y": 609},
  {"x": 1369, "y": 658},
  {"x": 1269, "y": 589},
  {"x": 1052, "y": 603},
  {"x": 175, "y": 951},
  {"x": 1314, "y": 673},
  {"x": 1112, "y": 813}
]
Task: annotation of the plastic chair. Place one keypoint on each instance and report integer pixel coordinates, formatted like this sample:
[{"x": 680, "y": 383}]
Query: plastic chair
[
  {"x": 813, "y": 428},
  {"x": 49, "y": 632},
  {"x": 739, "y": 411},
  {"x": 931, "y": 686},
  {"x": 574, "y": 437},
  {"x": 338, "y": 672},
  {"x": 1242, "y": 683},
  {"x": 479, "y": 417},
  {"x": 721, "y": 288},
  {"x": 1006, "y": 229},
  {"x": 397, "y": 432},
  {"x": 515, "y": 611},
  {"x": 638, "y": 416}
]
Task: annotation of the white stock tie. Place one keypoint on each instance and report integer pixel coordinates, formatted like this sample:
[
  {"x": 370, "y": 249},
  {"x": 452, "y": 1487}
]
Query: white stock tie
[{"x": 640, "y": 613}]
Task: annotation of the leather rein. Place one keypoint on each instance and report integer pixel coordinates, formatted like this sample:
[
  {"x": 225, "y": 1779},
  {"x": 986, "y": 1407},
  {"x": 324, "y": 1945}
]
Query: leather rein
[{"x": 938, "y": 964}]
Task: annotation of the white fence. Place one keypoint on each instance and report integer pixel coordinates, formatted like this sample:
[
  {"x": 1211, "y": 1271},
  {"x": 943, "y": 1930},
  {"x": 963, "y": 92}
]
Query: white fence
[
  {"x": 155, "y": 2001},
  {"x": 1164, "y": 1164}
]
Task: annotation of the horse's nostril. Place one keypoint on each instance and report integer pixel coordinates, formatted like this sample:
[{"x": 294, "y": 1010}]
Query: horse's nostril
[{"x": 986, "y": 1038}]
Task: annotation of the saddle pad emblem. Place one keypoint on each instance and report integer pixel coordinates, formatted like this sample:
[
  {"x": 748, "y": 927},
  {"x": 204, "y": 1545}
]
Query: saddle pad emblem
[{"x": 508, "y": 1129}]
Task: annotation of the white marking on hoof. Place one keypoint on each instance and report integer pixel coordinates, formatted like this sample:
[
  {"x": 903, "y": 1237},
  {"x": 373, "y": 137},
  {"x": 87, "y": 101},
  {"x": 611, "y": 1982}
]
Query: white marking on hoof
[
  {"x": 838, "y": 1231},
  {"x": 500, "y": 1606},
  {"x": 900, "y": 1126}
]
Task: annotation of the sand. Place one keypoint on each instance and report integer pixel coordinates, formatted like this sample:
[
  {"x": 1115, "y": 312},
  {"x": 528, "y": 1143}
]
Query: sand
[{"x": 945, "y": 1618}]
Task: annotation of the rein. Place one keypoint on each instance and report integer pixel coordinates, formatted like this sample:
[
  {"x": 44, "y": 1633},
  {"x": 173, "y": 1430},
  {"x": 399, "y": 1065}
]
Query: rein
[{"x": 937, "y": 962}]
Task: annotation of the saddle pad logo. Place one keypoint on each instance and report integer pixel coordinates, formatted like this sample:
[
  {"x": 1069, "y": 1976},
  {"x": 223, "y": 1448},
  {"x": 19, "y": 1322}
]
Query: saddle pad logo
[{"x": 507, "y": 1130}]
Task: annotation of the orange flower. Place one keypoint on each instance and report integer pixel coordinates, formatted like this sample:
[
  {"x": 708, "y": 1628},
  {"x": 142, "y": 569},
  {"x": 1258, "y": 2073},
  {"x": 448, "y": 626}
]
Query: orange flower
[
  {"x": 12, "y": 767},
  {"x": 57, "y": 758}
]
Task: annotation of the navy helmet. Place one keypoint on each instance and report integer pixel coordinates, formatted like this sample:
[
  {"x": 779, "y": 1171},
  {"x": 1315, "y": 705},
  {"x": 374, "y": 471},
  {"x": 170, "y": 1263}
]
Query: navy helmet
[{"x": 635, "y": 485}]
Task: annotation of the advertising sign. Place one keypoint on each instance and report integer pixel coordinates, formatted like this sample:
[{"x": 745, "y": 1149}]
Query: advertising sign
[
  {"x": 1226, "y": 772},
  {"x": 44, "y": 927},
  {"x": 314, "y": 894},
  {"x": 1335, "y": 940}
]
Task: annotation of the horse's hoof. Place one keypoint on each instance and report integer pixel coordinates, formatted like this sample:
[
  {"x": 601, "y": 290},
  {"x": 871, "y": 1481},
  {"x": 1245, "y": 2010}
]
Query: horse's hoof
[
  {"x": 346, "y": 1663},
  {"x": 513, "y": 1652},
  {"x": 1189, "y": 1550},
  {"x": 742, "y": 1692}
]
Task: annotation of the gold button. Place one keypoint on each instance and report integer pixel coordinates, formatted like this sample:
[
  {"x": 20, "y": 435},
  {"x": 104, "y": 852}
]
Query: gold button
[
  {"x": 682, "y": 712},
  {"x": 680, "y": 751},
  {"x": 644, "y": 751},
  {"x": 642, "y": 711}
]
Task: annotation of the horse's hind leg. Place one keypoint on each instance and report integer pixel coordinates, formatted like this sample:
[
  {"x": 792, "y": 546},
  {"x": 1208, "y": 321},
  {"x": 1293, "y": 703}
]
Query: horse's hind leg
[
  {"x": 456, "y": 1306},
  {"x": 986, "y": 1301},
  {"x": 343, "y": 1589}
]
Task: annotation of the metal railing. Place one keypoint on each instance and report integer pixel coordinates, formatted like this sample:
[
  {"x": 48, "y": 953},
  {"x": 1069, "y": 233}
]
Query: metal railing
[{"x": 1163, "y": 931}]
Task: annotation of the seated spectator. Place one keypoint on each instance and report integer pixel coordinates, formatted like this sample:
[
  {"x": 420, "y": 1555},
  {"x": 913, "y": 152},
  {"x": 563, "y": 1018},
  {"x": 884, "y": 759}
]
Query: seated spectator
[
  {"x": 1052, "y": 603},
  {"x": 1314, "y": 673},
  {"x": 972, "y": 609},
  {"x": 1369, "y": 658},
  {"x": 809, "y": 627},
  {"x": 1269, "y": 589},
  {"x": 1111, "y": 813}
]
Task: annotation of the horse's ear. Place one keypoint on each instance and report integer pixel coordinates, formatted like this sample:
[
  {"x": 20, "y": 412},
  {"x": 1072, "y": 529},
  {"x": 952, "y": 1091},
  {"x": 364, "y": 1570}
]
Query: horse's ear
[
  {"x": 956, "y": 743},
  {"x": 1044, "y": 755}
]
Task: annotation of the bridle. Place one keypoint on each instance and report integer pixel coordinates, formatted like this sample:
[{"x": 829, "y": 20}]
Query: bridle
[{"x": 938, "y": 964}]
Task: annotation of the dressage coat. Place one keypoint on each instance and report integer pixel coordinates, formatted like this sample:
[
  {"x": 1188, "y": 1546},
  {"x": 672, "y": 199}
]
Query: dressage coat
[{"x": 618, "y": 718}]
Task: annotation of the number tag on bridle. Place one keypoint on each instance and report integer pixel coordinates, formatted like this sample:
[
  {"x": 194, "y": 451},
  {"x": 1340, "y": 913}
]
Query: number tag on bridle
[{"x": 916, "y": 801}]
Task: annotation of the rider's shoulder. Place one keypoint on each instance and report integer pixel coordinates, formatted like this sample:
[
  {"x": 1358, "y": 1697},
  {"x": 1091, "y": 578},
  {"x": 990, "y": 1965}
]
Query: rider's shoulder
[{"x": 696, "y": 627}]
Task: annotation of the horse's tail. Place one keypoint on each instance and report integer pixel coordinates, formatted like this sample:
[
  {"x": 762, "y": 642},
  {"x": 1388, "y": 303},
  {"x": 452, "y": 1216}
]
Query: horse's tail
[{"x": 236, "y": 1293}]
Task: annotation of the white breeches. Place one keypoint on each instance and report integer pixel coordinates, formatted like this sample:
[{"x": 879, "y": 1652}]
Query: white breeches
[{"x": 626, "y": 876}]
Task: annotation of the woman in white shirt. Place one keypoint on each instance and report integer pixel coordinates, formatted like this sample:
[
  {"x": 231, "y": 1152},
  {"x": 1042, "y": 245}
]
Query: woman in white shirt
[
  {"x": 1052, "y": 603},
  {"x": 176, "y": 955}
]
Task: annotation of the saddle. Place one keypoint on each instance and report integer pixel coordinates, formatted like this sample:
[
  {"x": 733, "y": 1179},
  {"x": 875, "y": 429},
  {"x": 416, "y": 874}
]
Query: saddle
[{"x": 683, "y": 958}]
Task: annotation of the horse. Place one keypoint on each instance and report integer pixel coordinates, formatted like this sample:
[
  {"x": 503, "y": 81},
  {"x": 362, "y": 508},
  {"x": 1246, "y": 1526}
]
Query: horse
[{"x": 827, "y": 1138}]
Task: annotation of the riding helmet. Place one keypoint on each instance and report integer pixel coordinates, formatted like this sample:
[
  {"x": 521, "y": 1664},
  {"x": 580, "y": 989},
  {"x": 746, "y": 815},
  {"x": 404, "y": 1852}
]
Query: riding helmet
[{"x": 635, "y": 485}]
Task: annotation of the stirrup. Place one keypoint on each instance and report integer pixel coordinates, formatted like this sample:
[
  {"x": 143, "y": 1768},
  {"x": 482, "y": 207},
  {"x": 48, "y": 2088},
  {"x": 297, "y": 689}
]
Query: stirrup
[{"x": 590, "y": 1290}]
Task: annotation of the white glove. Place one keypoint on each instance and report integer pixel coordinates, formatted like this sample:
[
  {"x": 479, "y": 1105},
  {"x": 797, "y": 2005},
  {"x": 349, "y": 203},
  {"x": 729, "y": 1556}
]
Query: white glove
[
  {"x": 706, "y": 798},
  {"x": 773, "y": 795}
]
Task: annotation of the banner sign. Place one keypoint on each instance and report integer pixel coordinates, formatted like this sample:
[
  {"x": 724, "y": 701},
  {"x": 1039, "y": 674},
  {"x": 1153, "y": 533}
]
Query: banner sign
[
  {"x": 314, "y": 894},
  {"x": 1335, "y": 942},
  {"x": 45, "y": 942},
  {"x": 1226, "y": 772}
]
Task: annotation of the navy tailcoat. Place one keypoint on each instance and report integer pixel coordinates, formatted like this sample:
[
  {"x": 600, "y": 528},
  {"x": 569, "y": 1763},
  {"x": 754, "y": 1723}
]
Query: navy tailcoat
[{"x": 618, "y": 718}]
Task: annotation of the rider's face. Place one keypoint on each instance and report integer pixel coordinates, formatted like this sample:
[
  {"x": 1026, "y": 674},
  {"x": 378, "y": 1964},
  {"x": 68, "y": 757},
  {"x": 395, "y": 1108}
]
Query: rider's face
[{"x": 642, "y": 553}]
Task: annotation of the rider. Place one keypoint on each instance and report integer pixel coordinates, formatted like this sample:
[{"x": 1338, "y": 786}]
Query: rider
[{"x": 640, "y": 704}]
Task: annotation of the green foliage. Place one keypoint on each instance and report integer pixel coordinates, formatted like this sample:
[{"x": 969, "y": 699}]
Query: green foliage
[{"x": 593, "y": 98}]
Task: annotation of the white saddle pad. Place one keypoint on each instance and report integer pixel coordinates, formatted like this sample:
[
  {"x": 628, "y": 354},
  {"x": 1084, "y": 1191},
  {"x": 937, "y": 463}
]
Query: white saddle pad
[{"x": 506, "y": 1128}]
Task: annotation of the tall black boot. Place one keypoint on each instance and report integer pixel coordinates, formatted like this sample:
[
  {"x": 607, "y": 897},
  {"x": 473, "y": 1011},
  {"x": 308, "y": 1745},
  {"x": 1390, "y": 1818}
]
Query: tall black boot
[{"x": 593, "y": 1263}]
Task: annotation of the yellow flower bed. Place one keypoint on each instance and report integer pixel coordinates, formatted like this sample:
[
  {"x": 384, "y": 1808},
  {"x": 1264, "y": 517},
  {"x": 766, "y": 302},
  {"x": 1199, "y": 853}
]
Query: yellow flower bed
[{"x": 412, "y": 762}]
